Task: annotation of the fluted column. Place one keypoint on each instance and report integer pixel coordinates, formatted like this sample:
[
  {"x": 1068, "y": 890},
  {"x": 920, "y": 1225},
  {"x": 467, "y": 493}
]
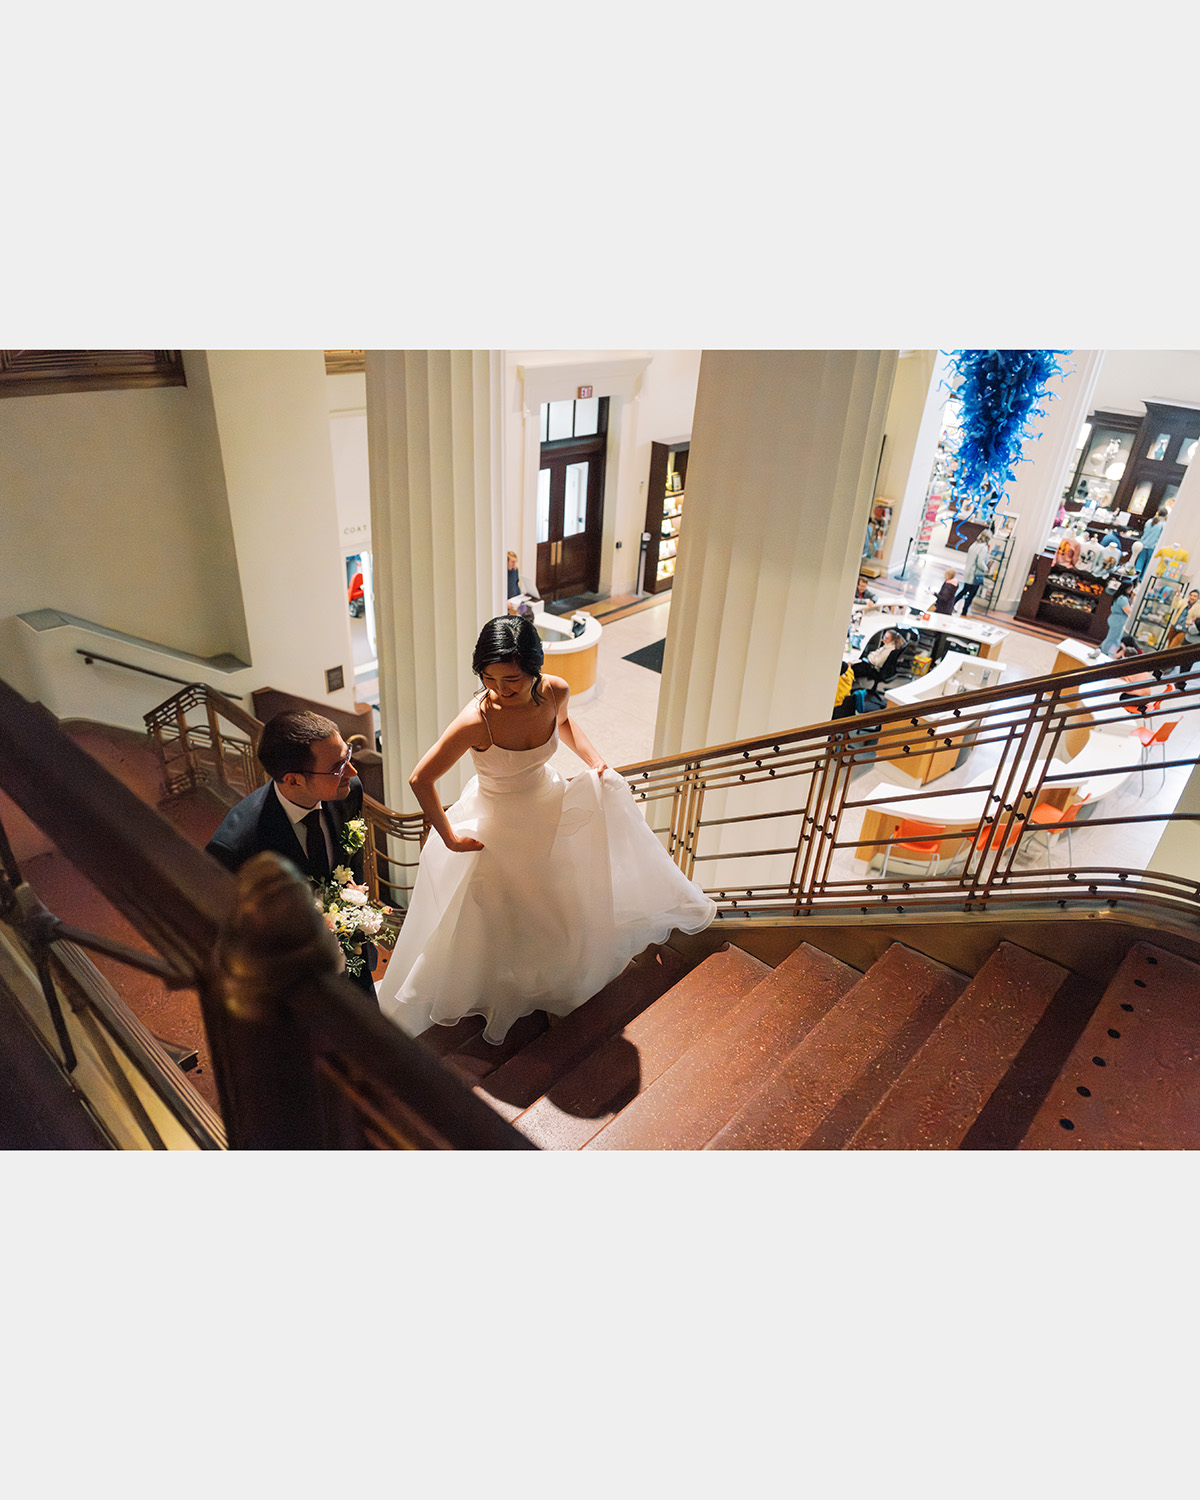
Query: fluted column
[
  {"x": 434, "y": 440},
  {"x": 785, "y": 446},
  {"x": 1178, "y": 849},
  {"x": 1036, "y": 492}
]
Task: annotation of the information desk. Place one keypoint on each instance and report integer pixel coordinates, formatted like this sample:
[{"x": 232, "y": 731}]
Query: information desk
[
  {"x": 1072, "y": 655},
  {"x": 981, "y": 638},
  {"x": 928, "y": 696},
  {"x": 572, "y": 657}
]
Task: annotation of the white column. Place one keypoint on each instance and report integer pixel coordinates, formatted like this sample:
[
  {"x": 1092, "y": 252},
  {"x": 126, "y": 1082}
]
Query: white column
[
  {"x": 784, "y": 451},
  {"x": 907, "y": 522},
  {"x": 1036, "y": 492},
  {"x": 434, "y": 438},
  {"x": 1178, "y": 848}
]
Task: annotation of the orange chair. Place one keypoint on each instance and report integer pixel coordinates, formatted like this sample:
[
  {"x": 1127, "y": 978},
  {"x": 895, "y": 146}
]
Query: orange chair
[
  {"x": 1045, "y": 820},
  {"x": 924, "y": 839},
  {"x": 990, "y": 836},
  {"x": 1150, "y": 734}
]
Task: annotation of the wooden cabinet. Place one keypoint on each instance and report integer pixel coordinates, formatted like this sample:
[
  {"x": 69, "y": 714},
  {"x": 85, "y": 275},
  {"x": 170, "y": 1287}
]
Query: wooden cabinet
[
  {"x": 1133, "y": 466},
  {"x": 665, "y": 494}
]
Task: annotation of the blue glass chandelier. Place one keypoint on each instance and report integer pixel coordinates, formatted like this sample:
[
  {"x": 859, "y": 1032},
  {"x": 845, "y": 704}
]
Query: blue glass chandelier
[{"x": 1000, "y": 392}]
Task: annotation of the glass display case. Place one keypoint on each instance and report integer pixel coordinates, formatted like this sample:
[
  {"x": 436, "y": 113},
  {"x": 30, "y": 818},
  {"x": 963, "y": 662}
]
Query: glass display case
[
  {"x": 1158, "y": 606},
  {"x": 1106, "y": 446}
]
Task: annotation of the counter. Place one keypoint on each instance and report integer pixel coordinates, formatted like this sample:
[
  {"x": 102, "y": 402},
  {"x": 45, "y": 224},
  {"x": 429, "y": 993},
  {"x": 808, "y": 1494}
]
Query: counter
[{"x": 571, "y": 657}]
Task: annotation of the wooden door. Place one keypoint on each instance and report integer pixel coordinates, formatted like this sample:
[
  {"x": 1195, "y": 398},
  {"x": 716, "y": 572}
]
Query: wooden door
[{"x": 569, "y": 520}]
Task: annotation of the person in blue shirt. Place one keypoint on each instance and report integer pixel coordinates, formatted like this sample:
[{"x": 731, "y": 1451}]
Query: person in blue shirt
[
  {"x": 1118, "y": 619},
  {"x": 1150, "y": 536}
]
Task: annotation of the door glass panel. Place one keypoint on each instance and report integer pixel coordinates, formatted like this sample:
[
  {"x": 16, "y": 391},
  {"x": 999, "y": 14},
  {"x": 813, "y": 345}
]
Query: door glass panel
[
  {"x": 1168, "y": 496},
  {"x": 1158, "y": 448},
  {"x": 545, "y": 422},
  {"x": 587, "y": 417},
  {"x": 575, "y": 505},
  {"x": 1138, "y": 503},
  {"x": 543, "y": 505},
  {"x": 1187, "y": 451},
  {"x": 561, "y": 415}
]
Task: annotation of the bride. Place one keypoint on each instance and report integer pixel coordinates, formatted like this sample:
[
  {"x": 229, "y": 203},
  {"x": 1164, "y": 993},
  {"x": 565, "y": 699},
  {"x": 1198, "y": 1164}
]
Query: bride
[{"x": 532, "y": 891}]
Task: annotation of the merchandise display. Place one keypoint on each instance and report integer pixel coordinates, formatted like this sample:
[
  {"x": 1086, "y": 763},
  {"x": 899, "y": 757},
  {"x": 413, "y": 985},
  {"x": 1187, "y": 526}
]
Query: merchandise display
[
  {"x": 664, "y": 512},
  {"x": 1160, "y": 603}
]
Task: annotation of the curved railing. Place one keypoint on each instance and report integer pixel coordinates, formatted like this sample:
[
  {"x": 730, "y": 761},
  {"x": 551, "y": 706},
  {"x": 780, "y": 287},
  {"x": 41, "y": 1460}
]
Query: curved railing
[{"x": 790, "y": 823}]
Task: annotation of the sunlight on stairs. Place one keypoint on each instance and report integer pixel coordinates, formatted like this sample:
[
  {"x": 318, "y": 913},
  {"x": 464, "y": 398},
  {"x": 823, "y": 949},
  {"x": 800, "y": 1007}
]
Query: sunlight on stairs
[{"x": 814, "y": 1055}]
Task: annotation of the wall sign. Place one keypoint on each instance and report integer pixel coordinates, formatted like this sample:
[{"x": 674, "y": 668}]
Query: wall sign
[{"x": 585, "y": 393}]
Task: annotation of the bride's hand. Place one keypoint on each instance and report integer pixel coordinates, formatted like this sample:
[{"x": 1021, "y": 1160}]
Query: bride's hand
[
  {"x": 600, "y": 769},
  {"x": 460, "y": 845}
]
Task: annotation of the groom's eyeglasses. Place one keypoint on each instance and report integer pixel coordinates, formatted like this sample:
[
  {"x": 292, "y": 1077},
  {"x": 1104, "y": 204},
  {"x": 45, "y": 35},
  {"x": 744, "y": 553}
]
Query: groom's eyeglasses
[{"x": 338, "y": 770}]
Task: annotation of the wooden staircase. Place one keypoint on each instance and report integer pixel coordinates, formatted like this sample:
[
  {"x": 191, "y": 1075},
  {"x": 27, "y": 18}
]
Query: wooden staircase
[{"x": 813, "y": 1054}]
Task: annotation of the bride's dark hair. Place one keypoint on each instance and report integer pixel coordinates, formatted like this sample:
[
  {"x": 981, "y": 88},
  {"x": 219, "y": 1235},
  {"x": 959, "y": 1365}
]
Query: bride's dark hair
[{"x": 511, "y": 638}]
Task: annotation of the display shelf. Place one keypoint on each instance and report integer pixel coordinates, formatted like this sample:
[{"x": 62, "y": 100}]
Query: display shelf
[
  {"x": 1156, "y": 609},
  {"x": 665, "y": 492},
  {"x": 1063, "y": 597}
]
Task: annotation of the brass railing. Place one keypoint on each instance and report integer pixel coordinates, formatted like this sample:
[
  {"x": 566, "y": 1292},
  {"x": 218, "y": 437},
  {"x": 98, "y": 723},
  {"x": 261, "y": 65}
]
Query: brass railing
[
  {"x": 220, "y": 746},
  {"x": 794, "y": 823},
  {"x": 301, "y": 1057}
]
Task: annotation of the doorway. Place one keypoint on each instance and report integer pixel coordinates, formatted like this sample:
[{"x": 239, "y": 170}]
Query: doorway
[{"x": 570, "y": 497}]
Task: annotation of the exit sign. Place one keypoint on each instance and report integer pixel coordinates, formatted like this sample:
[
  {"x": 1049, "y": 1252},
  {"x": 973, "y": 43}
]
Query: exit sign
[{"x": 585, "y": 392}]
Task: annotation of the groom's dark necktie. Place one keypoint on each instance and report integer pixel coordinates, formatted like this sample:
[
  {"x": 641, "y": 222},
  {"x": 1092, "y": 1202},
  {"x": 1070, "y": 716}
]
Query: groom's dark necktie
[{"x": 318, "y": 855}]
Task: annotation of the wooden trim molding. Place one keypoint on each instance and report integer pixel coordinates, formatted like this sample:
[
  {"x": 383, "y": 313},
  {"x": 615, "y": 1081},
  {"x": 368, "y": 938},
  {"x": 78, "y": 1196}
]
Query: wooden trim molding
[
  {"x": 345, "y": 361},
  {"x": 44, "y": 372}
]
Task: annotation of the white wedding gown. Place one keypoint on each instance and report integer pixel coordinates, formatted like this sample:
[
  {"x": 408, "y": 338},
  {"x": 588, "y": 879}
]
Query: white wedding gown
[{"x": 571, "y": 884}]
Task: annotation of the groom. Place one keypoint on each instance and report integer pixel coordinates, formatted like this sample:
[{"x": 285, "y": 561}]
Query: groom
[{"x": 302, "y": 811}]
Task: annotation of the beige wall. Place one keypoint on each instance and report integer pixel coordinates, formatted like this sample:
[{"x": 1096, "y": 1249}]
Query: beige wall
[
  {"x": 1129, "y": 377},
  {"x": 272, "y": 411},
  {"x": 113, "y": 508}
]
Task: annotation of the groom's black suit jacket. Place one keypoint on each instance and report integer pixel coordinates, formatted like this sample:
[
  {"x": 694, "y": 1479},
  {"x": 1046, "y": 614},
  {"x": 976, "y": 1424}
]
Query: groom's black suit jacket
[{"x": 258, "y": 822}]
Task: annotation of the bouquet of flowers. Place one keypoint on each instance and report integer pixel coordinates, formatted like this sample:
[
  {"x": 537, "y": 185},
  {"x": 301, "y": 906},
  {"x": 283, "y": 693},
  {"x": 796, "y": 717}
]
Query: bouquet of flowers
[{"x": 347, "y": 907}]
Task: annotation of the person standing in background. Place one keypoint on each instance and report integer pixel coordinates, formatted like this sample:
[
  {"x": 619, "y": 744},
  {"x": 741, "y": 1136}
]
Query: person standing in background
[
  {"x": 1118, "y": 619},
  {"x": 947, "y": 594},
  {"x": 1150, "y": 538},
  {"x": 514, "y": 581},
  {"x": 975, "y": 570}
]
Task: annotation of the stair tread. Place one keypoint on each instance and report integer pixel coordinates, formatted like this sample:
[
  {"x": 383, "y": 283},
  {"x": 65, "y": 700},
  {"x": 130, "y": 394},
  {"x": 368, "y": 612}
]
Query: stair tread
[
  {"x": 517, "y": 1083},
  {"x": 474, "y": 1059},
  {"x": 1145, "y": 1095},
  {"x": 941, "y": 1091},
  {"x": 831, "y": 1080},
  {"x": 694, "y": 1098},
  {"x": 587, "y": 1097}
]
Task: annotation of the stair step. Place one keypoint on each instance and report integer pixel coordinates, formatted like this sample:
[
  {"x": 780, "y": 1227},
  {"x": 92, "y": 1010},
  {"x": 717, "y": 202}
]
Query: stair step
[
  {"x": 515, "y": 1085},
  {"x": 443, "y": 1040},
  {"x": 832, "y": 1080},
  {"x": 587, "y": 1097},
  {"x": 475, "y": 1059},
  {"x": 1132, "y": 1081},
  {"x": 939, "y": 1095},
  {"x": 695, "y": 1097}
]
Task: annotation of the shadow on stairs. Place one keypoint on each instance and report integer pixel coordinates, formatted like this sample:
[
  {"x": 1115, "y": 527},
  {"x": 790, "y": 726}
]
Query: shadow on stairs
[{"x": 815, "y": 1055}]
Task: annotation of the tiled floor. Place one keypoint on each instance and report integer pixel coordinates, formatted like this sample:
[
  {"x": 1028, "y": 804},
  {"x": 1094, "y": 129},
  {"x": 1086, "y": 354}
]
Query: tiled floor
[{"x": 619, "y": 714}]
